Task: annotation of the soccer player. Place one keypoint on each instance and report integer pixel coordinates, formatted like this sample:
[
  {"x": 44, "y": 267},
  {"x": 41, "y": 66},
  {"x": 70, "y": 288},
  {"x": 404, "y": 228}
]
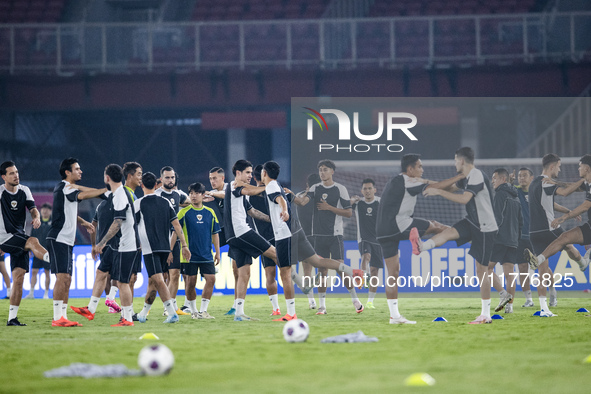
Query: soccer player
[
  {"x": 14, "y": 200},
  {"x": 154, "y": 215},
  {"x": 103, "y": 218},
  {"x": 579, "y": 235},
  {"x": 62, "y": 234},
  {"x": 124, "y": 221},
  {"x": 509, "y": 220},
  {"x": 305, "y": 214},
  {"x": 102, "y": 221},
  {"x": 265, "y": 229},
  {"x": 168, "y": 177},
  {"x": 280, "y": 214},
  {"x": 395, "y": 223},
  {"x": 132, "y": 173},
  {"x": 214, "y": 199},
  {"x": 524, "y": 178},
  {"x": 245, "y": 243},
  {"x": 366, "y": 212},
  {"x": 41, "y": 235},
  {"x": 201, "y": 228},
  {"x": 543, "y": 228},
  {"x": 479, "y": 226},
  {"x": 331, "y": 204}
]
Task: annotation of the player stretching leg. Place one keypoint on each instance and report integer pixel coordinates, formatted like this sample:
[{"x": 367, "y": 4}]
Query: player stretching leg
[{"x": 479, "y": 226}]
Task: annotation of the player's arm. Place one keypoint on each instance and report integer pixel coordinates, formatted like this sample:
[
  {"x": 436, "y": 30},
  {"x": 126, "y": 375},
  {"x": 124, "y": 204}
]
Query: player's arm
[
  {"x": 256, "y": 214},
  {"x": 216, "y": 193},
  {"x": 250, "y": 190},
  {"x": 570, "y": 188},
  {"x": 36, "y": 218},
  {"x": 584, "y": 207},
  {"x": 302, "y": 197},
  {"x": 113, "y": 230},
  {"x": 88, "y": 226},
  {"x": 324, "y": 206},
  {"x": 283, "y": 204},
  {"x": 93, "y": 241},
  {"x": 215, "y": 238},
  {"x": 447, "y": 184},
  {"x": 463, "y": 198},
  {"x": 178, "y": 233},
  {"x": 91, "y": 193}
]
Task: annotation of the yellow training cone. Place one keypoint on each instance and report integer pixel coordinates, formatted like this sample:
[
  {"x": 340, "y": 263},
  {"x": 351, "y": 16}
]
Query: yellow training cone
[
  {"x": 149, "y": 335},
  {"x": 419, "y": 379},
  {"x": 588, "y": 359}
]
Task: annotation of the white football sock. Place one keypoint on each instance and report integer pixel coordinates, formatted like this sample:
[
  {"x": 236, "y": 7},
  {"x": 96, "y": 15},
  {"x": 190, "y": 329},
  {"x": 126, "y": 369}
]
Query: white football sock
[
  {"x": 239, "y": 306},
  {"x": 543, "y": 304},
  {"x": 527, "y": 295},
  {"x": 485, "y": 308},
  {"x": 428, "y": 245},
  {"x": 112, "y": 293},
  {"x": 541, "y": 259},
  {"x": 290, "y": 306},
  {"x": 274, "y": 301},
  {"x": 370, "y": 296},
  {"x": 204, "y": 304},
  {"x": 322, "y": 300},
  {"x": 193, "y": 306},
  {"x": 169, "y": 308},
  {"x": 65, "y": 311},
  {"x": 46, "y": 257},
  {"x": 12, "y": 312},
  {"x": 234, "y": 304},
  {"x": 145, "y": 310},
  {"x": 393, "y": 306},
  {"x": 346, "y": 269},
  {"x": 353, "y": 294},
  {"x": 57, "y": 310},
  {"x": 296, "y": 278},
  {"x": 176, "y": 308},
  {"x": 187, "y": 303},
  {"x": 128, "y": 313},
  {"x": 93, "y": 304}
]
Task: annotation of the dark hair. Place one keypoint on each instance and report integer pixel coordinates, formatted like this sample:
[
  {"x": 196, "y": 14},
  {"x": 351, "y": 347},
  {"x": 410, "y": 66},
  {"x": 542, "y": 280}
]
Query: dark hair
[
  {"x": 241, "y": 165},
  {"x": 46, "y": 205},
  {"x": 6, "y": 165},
  {"x": 66, "y": 165},
  {"x": 466, "y": 153},
  {"x": 166, "y": 168},
  {"x": 327, "y": 163},
  {"x": 586, "y": 160},
  {"x": 502, "y": 172},
  {"x": 149, "y": 180},
  {"x": 368, "y": 180},
  {"x": 219, "y": 170},
  {"x": 531, "y": 173},
  {"x": 176, "y": 178},
  {"x": 408, "y": 160},
  {"x": 549, "y": 159},
  {"x": 313, "y": 179},
  {"x": 272, "y": 168},
  {"x": 114, "y": 172},
  {"x": 256, "y": 172},
  {"x": 197, "y": 187},
  {"x": 130, "y": 168}
]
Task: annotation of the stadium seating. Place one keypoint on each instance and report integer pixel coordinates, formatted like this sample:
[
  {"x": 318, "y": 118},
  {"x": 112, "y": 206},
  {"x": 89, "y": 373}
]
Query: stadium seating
[
  {"x": 451, "y": 7},
  {"x": 33, "y": 11},
  {"x": 218, "y": 10}
]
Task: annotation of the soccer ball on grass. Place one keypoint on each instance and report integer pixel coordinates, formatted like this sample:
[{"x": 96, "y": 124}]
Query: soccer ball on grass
[
  {"x": 155, "y": 359},
  {"x": 296, "y": 331}
]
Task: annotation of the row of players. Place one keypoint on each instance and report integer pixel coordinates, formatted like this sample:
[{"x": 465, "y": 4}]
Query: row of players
[{"x": 395, "y": 222}]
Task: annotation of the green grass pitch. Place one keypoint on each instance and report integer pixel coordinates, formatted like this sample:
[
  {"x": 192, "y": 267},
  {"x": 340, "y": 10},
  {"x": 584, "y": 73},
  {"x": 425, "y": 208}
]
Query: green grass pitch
[{"x": 519, "y": 354}]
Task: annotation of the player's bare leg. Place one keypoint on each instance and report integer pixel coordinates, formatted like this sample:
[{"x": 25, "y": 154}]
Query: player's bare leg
[
  {"x": 271, "y": 283},
  {"x": 308, "y": 274},
  {"x": 482, "y": 273}
]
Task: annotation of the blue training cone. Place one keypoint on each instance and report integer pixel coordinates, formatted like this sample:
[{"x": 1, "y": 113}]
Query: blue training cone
[
  {"x": 497, "y": 317},
  {"x": 582, "y": 310},
  {"x": 440, "y": 319},
  {"x": 537, "y": 313}
]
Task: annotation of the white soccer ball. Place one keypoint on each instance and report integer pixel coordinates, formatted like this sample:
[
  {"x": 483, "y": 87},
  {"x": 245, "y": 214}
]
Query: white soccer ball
[
  {"x": 155, "y": 359},
  {"x": 296, "y": 331}
]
